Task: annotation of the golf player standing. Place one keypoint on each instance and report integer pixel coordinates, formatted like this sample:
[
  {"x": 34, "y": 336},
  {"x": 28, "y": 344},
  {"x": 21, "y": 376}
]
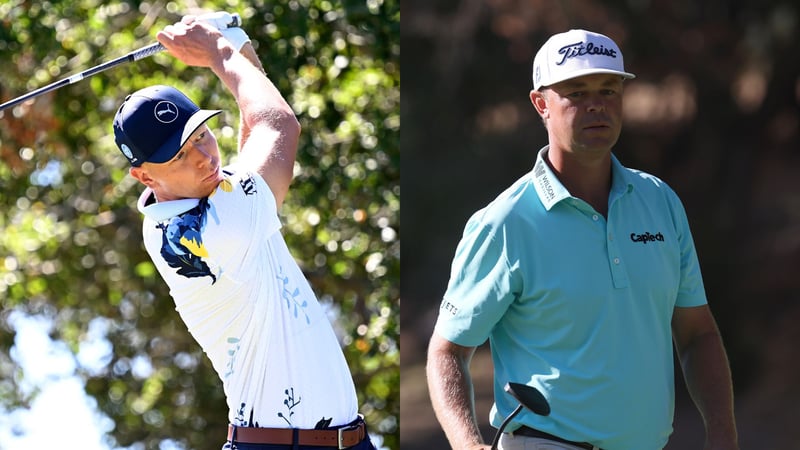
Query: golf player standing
[
  {"x": 213, "y": 233},
  {"x": 581, "y": 275}
]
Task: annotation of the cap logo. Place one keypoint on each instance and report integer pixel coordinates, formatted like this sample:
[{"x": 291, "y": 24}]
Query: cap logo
[
  {"x": 127, "y": 152},
  {"x": 166, "y": 112},
  {"x": 580, "y": 49}
]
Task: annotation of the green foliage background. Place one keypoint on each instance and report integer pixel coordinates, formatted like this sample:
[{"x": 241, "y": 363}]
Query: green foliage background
[{"x": 70, "y": 247}]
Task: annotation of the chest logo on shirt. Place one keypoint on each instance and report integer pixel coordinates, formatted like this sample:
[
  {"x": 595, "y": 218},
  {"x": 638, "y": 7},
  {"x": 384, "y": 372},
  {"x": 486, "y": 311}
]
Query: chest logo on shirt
[
  {"x": 647, "y": 237},
  {"x": 182, "y": 244}
]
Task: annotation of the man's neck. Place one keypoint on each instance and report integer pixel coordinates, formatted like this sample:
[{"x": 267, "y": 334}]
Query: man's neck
[{"x": 587, "y": 178}]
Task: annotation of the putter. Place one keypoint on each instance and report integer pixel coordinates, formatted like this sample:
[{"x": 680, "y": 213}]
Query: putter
[
  {"x": 528, "y": 397},
  {"x": 135, "y": 55}
]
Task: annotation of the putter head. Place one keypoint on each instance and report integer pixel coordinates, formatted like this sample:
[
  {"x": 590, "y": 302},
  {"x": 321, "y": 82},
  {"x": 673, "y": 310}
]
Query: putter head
[{"x": 529, "y": 396}]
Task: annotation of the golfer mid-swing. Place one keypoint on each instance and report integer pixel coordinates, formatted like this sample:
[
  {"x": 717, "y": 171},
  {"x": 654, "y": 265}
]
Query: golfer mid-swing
[{"x": 213, "y": 233}]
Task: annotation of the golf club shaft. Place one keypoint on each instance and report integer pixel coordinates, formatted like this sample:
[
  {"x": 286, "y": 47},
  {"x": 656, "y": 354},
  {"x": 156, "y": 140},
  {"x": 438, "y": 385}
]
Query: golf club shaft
[
  {"x": 499, "y": 433},
  {"x": 135, "y": 55}
]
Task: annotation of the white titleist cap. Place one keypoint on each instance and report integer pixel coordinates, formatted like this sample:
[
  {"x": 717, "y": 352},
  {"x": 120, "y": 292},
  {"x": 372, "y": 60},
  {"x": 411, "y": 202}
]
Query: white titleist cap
[{"x": 574, "y": 54}]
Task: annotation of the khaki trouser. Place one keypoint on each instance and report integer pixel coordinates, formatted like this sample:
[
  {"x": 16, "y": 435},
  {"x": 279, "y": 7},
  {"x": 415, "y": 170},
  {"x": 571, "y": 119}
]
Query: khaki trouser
[{"x": 512, "y": 442}]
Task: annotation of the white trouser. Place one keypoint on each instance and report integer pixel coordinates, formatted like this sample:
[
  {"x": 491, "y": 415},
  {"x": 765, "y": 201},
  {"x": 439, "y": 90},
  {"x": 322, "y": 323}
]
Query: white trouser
[{"x": 509, "y": 441}]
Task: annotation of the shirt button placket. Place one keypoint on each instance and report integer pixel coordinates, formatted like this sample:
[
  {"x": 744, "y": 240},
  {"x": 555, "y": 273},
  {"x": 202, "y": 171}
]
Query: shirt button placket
[{"x": 615, "y": 261}]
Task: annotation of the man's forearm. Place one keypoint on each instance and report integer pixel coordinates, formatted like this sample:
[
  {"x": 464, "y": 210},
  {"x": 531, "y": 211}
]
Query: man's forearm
[
  {"x": 708, "y": 379},
  {"x": 265, "y": 118},
  {"x": 452, "y": 397},
  {"x": 250, "y": 53},
  {"x": 258, "y": 99}
]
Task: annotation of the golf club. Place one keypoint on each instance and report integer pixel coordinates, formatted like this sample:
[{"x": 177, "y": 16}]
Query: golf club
[
  {"x": 528, "y": 397},
  {"x": 135, "y": 55}
]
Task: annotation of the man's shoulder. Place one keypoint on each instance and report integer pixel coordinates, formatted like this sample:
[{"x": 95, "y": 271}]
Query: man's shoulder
[
  {"x": 647, "y": 183},
  {"x": 653, "y": 190},
  {"x": 642, "y": 178},
  {"x": 244, "y": 185},
  {"x": 513, "y": 202},
  {"x": 248, "y": 180}
]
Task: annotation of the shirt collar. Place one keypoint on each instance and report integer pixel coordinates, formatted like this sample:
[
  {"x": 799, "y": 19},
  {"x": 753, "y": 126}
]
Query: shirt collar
[
  {"x": 620, "y": 179},
  {"x": 161, "y": 211},
  {"x": 547, "y": 185},
  {"x": 551, "y": 191}
]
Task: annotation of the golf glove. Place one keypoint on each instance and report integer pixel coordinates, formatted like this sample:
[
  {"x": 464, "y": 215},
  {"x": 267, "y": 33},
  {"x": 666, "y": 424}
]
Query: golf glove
[{"x": 221, "y": 20}]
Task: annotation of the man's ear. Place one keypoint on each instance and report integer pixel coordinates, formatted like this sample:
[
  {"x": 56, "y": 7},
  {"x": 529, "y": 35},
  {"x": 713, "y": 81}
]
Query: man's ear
[
  {"x": 539, "y": 102},
  {"x": 142, "y": 175}
]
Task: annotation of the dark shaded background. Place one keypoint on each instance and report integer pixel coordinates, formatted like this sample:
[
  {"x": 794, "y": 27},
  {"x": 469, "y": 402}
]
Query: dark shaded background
[{"x": 713, "y": 112}]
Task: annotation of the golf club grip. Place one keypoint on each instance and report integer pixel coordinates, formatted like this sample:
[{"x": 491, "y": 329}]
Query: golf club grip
[
  {"x": 152, "y": 49},
  {"x": 144, "y": 52}
]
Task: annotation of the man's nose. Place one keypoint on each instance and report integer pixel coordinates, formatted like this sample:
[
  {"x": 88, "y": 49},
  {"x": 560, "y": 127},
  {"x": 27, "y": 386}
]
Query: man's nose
[
  {"x": 596, "y": 103},
  {"x": 203, "y": 156}
]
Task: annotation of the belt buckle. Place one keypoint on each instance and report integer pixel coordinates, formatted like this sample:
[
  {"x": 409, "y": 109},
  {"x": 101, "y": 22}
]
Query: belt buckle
[{"x": 340, "y": 441}]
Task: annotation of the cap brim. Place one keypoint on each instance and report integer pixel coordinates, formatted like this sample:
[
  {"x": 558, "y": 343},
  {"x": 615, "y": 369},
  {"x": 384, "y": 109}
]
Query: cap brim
[
  {"x": 170, "y": 148},
  {"x": 584, "y": 72}
]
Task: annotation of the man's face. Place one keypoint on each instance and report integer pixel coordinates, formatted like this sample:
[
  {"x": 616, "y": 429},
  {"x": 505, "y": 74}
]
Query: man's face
[
  {"x": 194, "y": 172},
  {"x": 584, "y": 114}
]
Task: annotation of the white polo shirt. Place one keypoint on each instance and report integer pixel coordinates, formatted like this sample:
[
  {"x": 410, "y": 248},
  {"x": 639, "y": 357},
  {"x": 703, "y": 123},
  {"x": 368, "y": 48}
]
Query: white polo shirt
[
  {"x": 249, "y": 306},
  {"x": 577, "y": 305}
]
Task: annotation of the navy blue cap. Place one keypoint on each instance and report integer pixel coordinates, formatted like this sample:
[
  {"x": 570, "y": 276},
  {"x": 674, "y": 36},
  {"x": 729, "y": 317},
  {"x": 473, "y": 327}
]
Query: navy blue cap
[{"x": 153, "y": 123}]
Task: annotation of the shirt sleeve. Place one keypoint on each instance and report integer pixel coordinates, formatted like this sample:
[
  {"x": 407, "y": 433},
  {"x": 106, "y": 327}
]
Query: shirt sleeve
[
  {"x": 481, "y": 286},
  {"x": 691, "y": 291}
]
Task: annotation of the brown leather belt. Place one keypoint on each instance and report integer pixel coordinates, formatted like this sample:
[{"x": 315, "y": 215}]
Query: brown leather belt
[
  {"x": 340, "y": 438},
  {"x": 532, "y": 432}
]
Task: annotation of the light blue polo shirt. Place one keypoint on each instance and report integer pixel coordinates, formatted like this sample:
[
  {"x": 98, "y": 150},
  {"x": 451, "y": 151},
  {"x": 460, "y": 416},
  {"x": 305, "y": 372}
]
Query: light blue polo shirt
[{"x": 577, "y": 305}]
